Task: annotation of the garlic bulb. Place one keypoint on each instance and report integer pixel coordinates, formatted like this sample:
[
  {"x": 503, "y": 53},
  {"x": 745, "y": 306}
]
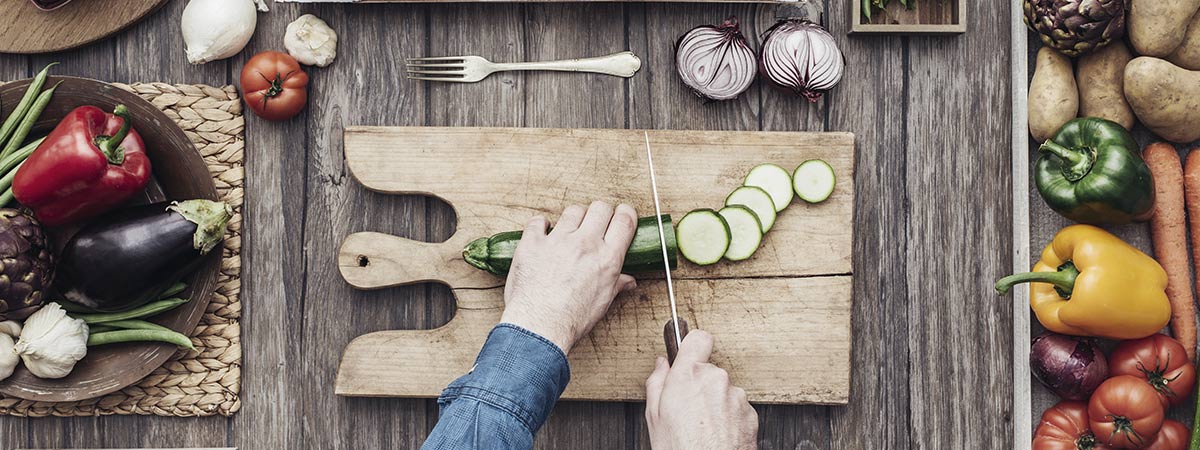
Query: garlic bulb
[
  {"x": 217, "y": 29},
  {"x": 8, "y": 356},
  {"x": 310, "y": 40},
  {"x": 52, "y": 342}
]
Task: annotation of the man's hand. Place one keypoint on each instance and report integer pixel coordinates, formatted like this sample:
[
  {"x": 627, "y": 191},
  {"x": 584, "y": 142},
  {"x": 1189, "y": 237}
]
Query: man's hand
[
  {"x": 560, "y": 284},
  {"x": 692, "y": 405}
]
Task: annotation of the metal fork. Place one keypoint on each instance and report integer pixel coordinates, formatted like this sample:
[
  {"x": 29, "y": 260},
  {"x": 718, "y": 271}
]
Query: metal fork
[{"x": 469, "y": 69}]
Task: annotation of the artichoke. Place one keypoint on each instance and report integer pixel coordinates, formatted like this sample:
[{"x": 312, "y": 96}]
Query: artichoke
[
  {"x": 26, "y": 265},
  {"x": 1076, "y": 27}
]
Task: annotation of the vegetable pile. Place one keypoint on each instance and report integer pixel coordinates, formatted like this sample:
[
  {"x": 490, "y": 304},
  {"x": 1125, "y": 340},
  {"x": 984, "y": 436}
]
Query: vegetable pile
[
  {"x": 1089, "y": 89},
  {"x": 124, "y": 264}
]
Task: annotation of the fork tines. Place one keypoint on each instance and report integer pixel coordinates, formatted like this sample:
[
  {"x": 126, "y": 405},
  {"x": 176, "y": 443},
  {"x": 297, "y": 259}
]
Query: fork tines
[{"x": 442, "y": 68}]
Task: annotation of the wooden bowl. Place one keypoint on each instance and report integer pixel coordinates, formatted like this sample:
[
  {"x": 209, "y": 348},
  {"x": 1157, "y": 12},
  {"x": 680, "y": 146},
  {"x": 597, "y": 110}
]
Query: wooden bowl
[{"x": 179, "y": 173}]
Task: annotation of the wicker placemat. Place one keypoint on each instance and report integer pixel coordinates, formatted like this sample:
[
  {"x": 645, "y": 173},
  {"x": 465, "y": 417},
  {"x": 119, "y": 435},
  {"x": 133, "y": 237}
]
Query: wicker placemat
[{"x": 206, "y": 381}]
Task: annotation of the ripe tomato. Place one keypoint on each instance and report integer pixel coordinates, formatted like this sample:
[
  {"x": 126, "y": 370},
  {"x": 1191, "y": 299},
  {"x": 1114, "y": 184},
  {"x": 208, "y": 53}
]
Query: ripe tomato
[
  {"x": 1173, "y": 436},
  {"x": 1125, "y": 412},
  {"x": 1161, "y": 361},
  {"x": 1065, "y": 427},
  {"x": 273, "y": 85}
]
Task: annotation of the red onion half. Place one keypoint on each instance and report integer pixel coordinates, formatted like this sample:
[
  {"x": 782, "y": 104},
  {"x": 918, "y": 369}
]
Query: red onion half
[
  {"x": 715, "y": 61},
  {"x": 1072, "y": 367},
  {"x": 801, "y": 57}
]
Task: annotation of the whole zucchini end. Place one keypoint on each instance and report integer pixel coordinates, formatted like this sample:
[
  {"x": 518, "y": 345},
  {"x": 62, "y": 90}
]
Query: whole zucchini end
[{"x": 476, "y": 254}]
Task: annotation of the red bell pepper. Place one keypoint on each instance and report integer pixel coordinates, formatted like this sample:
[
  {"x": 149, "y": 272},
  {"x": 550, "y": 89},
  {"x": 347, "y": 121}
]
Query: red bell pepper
[{"x": 90, "y": 163}]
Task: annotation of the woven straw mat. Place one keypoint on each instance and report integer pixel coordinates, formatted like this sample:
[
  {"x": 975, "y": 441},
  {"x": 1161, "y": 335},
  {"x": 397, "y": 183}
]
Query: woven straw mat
[{"x": 206, "y": 381}]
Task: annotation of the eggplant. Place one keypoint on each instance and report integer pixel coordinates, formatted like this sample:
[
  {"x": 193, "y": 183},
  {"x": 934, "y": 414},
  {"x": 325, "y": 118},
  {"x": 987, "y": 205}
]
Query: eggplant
[{"x": 126, "y": 258}]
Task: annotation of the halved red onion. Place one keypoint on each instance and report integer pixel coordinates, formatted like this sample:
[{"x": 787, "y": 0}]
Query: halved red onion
[
  {"x": 715, "y": 61},
  {"x": 801, "y": 57}
]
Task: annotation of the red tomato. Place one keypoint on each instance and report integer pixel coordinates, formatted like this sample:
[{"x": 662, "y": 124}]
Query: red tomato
[
  {"x": 1173, "y": 436},
  {"x": 1065, "y": 427},
  {"x": 1161, "y": 361},
  {"x": 1125, "y": 412},
  {"x": 273, "y": 85}
]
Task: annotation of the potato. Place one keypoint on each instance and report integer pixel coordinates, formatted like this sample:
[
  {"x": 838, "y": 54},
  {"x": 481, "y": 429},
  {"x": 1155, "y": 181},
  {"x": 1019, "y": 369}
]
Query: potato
[
  {"x": 1053, "y": 97},
  {"x": 1165, "y": 97},
  {"x": 1101, "y": 80},
  {"x": 1187, "y": 55},
  {"x": 1156, "y": 27}
]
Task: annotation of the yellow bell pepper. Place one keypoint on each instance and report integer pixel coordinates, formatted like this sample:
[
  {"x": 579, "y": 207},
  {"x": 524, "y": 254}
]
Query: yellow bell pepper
[{"x": 1091, "y": 283}]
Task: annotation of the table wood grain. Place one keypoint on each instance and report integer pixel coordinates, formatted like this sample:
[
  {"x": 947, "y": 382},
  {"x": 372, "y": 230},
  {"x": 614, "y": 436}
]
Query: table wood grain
[{"x": 932, "y": 346}]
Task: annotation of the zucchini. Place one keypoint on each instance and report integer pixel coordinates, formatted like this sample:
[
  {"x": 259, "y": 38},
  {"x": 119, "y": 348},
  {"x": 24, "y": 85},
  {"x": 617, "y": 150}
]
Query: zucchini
[
  {"x": 814, "y": 180},
  {"x": 494, "y": 253},
  {"x": 758, "y": 201},
  {"x": 773, "y": 179},
  {"x": 745, "y": 232},
  {"x": 703, "y": 236}
]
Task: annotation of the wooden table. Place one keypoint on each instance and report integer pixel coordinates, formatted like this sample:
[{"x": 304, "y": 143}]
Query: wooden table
[{"x": 932, "y": 343}]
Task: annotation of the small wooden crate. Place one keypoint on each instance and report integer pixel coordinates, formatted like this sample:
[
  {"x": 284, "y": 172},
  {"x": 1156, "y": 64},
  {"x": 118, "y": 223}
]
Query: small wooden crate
[{"x": 926, "y": 17}]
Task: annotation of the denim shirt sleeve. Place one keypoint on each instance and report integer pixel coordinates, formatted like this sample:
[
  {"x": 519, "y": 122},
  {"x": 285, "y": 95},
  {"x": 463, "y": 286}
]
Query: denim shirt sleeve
[{"x": 517, "y": 378}]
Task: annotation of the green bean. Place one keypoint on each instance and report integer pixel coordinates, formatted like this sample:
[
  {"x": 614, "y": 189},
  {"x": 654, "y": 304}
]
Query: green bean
[
  {"x": 27, "y": 122},
  {"x": 9, "y": 166},
  {"x": 10, "y": 123},
  {"x": 114, "y": 337},
  {"x": 6, "y": 198},
  {"x": 173, "y": 290},
  {"x": 100, "y": 328},
  {"x": 135, "y": 324},
  {"x": 147, "y": 310}
]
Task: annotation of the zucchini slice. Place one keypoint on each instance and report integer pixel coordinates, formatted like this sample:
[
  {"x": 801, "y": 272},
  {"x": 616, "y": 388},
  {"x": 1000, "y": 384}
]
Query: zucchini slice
[
  {"x": 773, "y": 179},
  {"x": 745, "y": 231},
  {"x": 703, "y": 236},
  {"x": 758, "y": 201},
  {"x": 814, "y": 180}
]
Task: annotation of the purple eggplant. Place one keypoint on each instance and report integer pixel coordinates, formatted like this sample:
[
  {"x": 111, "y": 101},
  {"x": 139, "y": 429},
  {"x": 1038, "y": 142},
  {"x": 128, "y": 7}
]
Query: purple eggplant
[{"x": 126, "y": 258}]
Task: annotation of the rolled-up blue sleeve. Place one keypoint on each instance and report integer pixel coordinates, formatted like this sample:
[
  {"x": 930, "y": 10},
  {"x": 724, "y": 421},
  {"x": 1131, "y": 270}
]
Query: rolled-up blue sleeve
[{"x": 506, "y": 397}]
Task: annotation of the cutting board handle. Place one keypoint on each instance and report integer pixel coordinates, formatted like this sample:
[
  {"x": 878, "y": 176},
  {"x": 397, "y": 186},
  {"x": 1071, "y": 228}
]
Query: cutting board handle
[{"x": 370, "y": 260}]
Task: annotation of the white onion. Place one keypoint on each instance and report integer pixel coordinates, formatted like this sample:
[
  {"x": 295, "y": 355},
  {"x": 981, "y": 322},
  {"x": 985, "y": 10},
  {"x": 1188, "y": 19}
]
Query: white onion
[
  {"x": 715, "y": 61},
  {"x": 217, "y": 29},
  {"x": 801, "y": 57}
]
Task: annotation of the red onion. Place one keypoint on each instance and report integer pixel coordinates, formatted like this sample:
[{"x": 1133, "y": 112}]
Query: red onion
[
  {"x": 1071, "y": 367},
  {"x": 801, "y": 57},
  {"x": 715, "y": 61}
]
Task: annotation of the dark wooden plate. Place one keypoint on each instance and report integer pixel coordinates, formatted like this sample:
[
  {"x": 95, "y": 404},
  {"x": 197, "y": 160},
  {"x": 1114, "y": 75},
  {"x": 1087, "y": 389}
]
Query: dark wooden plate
[{"x": 179, "y": 173}]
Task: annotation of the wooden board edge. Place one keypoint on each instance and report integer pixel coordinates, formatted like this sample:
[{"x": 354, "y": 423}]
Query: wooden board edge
[
  {"x": 1022, "y": 389},
  {"x": 343, "y": 388}
]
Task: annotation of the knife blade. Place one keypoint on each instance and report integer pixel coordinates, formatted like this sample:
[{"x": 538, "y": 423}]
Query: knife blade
[{"x": 672, "y": 333}]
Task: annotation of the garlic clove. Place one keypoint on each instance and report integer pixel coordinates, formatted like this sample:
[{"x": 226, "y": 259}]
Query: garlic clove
[
  {"x": 311, "y": 41},
  {"x": 8, "y": 356},
  {"x": 11, "y": 328},
  {"x": 217, "y": 29},
  {"x": 52, "y": 342}
]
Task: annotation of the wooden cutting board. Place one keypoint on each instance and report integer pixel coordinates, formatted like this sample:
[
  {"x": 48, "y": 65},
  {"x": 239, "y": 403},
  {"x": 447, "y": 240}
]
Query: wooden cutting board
[
  {"x": 26, "y": 29},
  {"x": 781, "y": 319}
]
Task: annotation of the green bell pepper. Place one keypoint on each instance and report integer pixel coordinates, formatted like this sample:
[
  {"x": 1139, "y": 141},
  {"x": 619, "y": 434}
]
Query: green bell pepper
[{"x": 1092, "y": 172}]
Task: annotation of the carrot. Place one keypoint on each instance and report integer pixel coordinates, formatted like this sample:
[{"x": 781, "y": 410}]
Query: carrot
[
  {"x": 1168, "y": 230},
  {"x": 1191, "y": 186}
]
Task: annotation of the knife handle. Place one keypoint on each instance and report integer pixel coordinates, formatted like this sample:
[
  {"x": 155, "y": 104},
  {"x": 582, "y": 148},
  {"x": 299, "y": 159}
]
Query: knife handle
[{"x": 669, "y": 338}]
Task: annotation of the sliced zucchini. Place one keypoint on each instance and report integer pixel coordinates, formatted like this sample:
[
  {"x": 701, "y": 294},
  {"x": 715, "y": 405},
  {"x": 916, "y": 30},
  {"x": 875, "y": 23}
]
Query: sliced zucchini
[
  {"x": 703, "y": 236},
  {"x": 758, "y": 201},
  {"x": 814, "y": 180},
  {"x": 773, "y": 179},
  {"x": 745, "y": 232}
]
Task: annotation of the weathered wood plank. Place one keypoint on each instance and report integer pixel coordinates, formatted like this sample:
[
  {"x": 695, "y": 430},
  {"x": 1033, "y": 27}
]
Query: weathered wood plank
[
  {"x": 871, "y": 103},
  {"x": 363, "y": 86},
  {"x": 958, "y": 241}
]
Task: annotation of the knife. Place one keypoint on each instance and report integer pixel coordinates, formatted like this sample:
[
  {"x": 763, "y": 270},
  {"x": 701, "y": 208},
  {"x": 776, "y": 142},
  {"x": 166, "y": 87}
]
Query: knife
[{"x": 675, "y": 329}]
